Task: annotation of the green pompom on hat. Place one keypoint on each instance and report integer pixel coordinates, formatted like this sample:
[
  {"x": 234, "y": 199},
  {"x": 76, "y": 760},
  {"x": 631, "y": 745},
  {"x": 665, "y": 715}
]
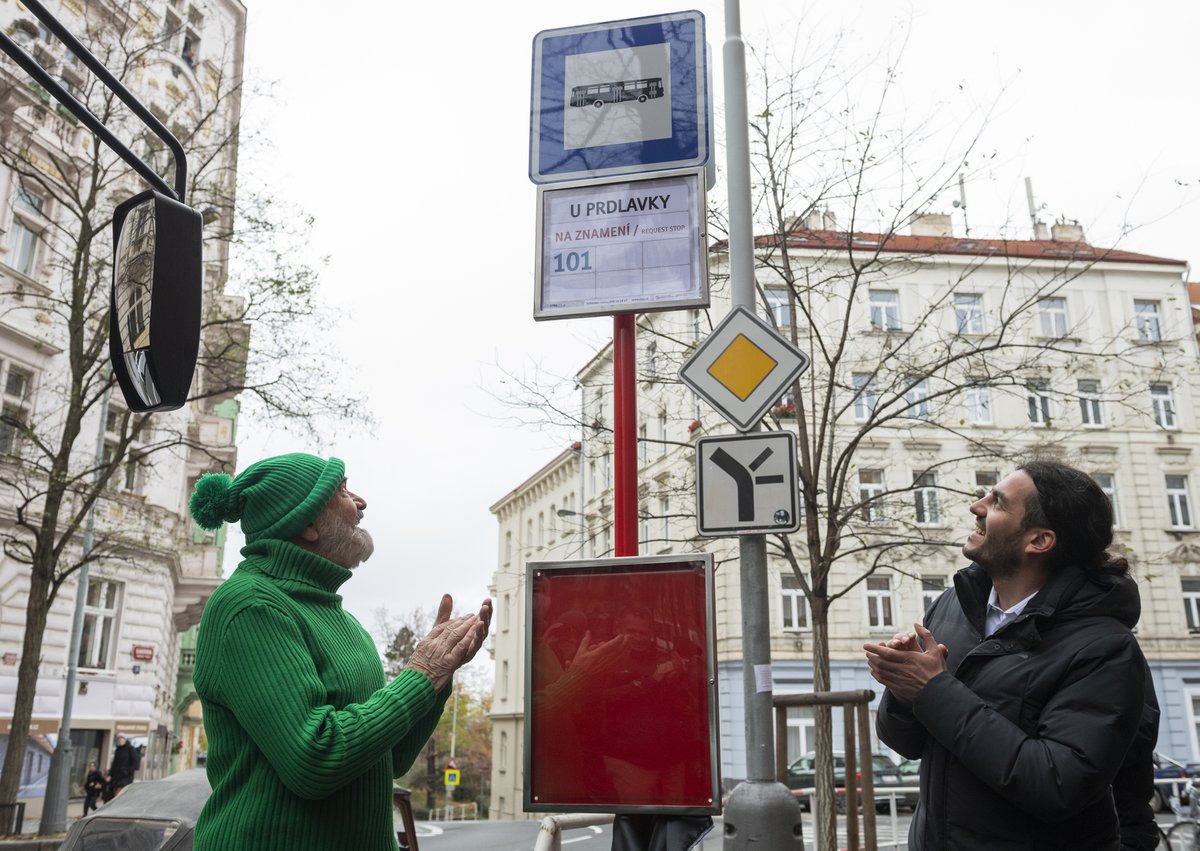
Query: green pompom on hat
[{"x": 274, "y": 498}]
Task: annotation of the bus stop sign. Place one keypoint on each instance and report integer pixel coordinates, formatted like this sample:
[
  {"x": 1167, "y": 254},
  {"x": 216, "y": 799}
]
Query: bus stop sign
[{"x": 619, "y": 98}]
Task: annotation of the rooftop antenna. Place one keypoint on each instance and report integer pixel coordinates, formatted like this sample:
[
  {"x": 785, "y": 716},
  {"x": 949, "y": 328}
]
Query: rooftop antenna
[
  {"x": 1039, "y": 229},
  {"x": 961, "y": 203}
]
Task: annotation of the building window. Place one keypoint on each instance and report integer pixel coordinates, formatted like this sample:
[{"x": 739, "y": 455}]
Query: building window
[
  {"x": 1090, "y": 413},
  {"x": 879, "y": 602},
  {"x": 885, "y": 310},
  {"x": 644, "y": 528},
  {"x": 643, "y": 445},
  {"x": 1191, "y": 603},
  {"x": 979, "y": 404},
  {"x": 22, "y": 243},
  {"x": 606, "y": 469},
  {"x": 870, "y": 494},
  {"x": 865, "y": 396},
  {"x": 651, "y": 362},
  {"x": 985, "y": 480},
  {"x": 1162, "y": 402},
  {"x": 508, "y": 547},
  {"x": 553, "y": 516},
  {"x": 191, "y": 49},
  {"x": 506, "y": 613},
  {"x": 801, "y": 732},
  {"x": 1053, "y": 315},
  {"x": 968, "y": 313},
  {"x": 29, "y": 201},
  {"x": 129, "y": 475},
  {"x": 662, "y": 433},
  {"x": 592, "y": 476},
  {"x": 1149, "y": 326},
  {"x": 695, "y": 314},
  {"x": 931, "y": 588},
  {"x": 664, "y": 510},
  {"x": 504, "y": 681},
  {"x": 1179, "y": 502},
  {"x": 541, "y": 538},
  {"x": 917, "y": 398},
  {"x": 795, "y": 604},
  {"x": 1039, "y": 402},
  {"x": 98, "y": 639},
  {"x": 29, "y": 212},
  {"x": 925, "y": 499},
  {"x": 605, "y": 541},
  {"x": 1108, "y": 484},
  {"x": 779, "y": 307},
  {"x": 14, "y": 407},
  {"x": 503, "y": 756}
]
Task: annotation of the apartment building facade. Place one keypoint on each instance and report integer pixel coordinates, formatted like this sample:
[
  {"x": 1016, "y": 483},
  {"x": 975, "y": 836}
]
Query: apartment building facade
[
  {"x": 183, "y": 59},
  {"x": 959, "y": 356}
]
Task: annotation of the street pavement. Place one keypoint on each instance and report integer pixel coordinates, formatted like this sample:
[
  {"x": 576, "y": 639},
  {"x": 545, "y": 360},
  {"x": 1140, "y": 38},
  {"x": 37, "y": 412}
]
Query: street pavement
[{"x": 522, "y": 835}]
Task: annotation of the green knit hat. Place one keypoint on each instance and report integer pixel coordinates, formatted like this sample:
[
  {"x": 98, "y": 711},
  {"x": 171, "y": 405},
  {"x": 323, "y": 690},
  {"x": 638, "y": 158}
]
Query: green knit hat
[{"x": 274, "y": 498}]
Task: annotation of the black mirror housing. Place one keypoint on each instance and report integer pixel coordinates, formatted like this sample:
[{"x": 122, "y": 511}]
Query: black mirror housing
[{"x": 154, "y": 319}]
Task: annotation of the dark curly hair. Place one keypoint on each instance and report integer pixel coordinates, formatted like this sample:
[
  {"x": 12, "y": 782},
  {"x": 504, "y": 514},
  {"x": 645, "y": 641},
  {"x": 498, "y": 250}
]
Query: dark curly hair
[{"x": 1069, "y": 502}]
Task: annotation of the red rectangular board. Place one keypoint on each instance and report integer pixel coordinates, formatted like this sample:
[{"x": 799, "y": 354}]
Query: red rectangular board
[{"x": 621, "y": 711}]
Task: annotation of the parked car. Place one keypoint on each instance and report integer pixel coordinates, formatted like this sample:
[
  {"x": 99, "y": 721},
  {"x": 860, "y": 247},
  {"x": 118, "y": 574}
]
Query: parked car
[
  {"x": 801, "y": 779},
  {"x": 160, "y": 815},
  {"x": 910, "y": 778},
  {"x": 157, "y": 815},
  {"x": 1166, "y": 768}
]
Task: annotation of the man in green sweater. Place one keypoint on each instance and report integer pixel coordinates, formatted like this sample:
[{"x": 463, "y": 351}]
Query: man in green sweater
[{"x": 304, "y": 734}]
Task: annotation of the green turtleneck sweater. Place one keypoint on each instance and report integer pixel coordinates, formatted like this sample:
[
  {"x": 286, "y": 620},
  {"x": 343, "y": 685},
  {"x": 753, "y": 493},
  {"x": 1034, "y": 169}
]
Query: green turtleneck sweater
[{"x": 304, "y": 735}]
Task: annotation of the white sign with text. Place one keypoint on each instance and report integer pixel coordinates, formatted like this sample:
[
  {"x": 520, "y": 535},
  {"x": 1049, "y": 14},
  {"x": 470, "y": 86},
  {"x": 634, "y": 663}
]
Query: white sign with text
[{"x": 621, "y": 246}]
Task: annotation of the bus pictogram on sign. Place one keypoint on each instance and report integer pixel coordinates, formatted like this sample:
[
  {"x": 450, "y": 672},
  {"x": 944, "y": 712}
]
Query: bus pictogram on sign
[{"x": 598, "y": 94}]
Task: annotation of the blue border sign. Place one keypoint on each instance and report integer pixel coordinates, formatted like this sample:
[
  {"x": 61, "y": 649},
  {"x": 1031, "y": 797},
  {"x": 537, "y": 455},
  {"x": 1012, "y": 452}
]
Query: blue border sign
[{"x": 622, "y": 97}]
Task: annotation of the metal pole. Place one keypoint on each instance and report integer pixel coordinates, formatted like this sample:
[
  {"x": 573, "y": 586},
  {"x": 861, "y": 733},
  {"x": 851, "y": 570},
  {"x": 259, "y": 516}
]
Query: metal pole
[
  {"x": 761, "y": 811},
  {"x": 625, "y": 533},
  {"x": 54, "y": 805}
]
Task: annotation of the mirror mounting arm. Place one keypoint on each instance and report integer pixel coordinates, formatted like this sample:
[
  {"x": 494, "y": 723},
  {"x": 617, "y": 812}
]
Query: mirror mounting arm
[{"x": 43, "y": 78}]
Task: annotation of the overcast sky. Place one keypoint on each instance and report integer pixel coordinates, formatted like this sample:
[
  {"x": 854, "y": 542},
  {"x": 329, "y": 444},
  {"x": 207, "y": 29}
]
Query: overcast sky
[{"x": 404, "y": 129}]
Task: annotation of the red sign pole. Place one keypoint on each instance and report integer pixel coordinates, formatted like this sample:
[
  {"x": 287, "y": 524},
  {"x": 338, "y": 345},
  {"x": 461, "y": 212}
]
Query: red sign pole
[{"x": 625, "y": 435}]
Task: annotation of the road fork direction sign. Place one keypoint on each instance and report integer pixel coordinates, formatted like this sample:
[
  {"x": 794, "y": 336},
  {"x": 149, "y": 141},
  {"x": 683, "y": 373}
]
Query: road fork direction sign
[
  {"x": 746, "y": 484},
  {"x": 743, "y": 367}
]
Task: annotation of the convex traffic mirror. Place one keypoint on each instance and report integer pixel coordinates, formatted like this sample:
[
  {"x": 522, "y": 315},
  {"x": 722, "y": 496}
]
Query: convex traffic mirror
[{"x": 155, "y": 306}]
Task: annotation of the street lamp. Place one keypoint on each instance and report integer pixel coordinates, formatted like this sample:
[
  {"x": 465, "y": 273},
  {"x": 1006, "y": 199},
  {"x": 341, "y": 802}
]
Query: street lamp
[
  {"x": 54, "y": 803},
  {"x": 583, "y": 521}
]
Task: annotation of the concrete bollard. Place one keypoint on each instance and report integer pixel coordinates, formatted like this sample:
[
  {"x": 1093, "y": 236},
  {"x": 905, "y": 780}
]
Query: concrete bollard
[{"x": 762, "y": 815}]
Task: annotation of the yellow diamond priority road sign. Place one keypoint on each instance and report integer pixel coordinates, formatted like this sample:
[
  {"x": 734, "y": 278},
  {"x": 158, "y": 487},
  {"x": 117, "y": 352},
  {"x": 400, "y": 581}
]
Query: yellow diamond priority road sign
[{"x": 743, "y": 367}]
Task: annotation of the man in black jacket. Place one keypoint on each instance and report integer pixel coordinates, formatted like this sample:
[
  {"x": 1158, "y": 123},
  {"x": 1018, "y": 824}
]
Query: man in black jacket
[
  {"x": 1025, "y": 689},
  {"x": 126, "y": 761}
]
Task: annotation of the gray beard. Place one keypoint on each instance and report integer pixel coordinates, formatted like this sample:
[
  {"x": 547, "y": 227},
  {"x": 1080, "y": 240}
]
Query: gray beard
[{"x": 341, "y": 543}]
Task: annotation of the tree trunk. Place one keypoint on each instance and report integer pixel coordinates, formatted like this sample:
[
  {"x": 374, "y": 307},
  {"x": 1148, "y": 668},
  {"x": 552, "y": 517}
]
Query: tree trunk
[
  {"x": 36, "y": 611},
  {"x": 824, "y": 808}
]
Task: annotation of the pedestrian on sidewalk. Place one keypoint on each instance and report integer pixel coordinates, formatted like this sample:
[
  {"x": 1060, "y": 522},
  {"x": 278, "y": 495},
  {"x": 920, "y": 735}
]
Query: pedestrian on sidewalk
[
  {"x": 125, "y": 762},
  {"x": 93, "y": 788}
]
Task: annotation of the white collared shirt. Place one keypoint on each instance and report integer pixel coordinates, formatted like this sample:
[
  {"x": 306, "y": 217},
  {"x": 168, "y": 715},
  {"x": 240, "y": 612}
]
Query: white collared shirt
[{"x": 998, "y": 617}]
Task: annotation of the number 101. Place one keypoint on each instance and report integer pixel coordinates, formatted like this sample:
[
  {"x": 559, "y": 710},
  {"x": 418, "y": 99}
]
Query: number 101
[{"x": 573, "y": 261}]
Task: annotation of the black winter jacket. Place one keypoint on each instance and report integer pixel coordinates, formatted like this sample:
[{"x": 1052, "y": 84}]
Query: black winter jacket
[{"x": 1021, "y": 738}]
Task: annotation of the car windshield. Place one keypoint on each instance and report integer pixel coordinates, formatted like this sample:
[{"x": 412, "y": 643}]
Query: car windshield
[{"x": 126, "y": 834}]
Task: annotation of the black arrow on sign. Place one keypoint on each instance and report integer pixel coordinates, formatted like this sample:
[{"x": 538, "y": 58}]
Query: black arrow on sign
[{"x": 744, "y": 481}]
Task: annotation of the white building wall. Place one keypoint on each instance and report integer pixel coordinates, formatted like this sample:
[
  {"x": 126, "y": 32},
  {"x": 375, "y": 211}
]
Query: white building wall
[
  {"x": 1130, "y": 446},
  {"x": 164, "y": 568}
]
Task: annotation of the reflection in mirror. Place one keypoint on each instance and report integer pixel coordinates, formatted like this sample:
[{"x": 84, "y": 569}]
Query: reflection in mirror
[{"x": 134, "y": 281}]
